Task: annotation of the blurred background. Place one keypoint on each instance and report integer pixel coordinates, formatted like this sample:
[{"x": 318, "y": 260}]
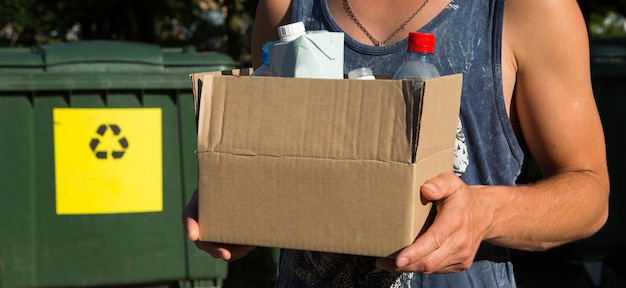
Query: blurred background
[
  {"x": 207, "y": 25},
  {"x": 138, "y": 54}
]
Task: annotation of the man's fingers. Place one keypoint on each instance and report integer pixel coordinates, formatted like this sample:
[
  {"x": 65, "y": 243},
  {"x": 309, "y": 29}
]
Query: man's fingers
[
  {"x": 193, "y": 230},
  {"x": 190, "y": 218},
  {"x": 214, "y": 249},
  {"x": 228, "y": 252},
  {"x": 440, "y": 187}
]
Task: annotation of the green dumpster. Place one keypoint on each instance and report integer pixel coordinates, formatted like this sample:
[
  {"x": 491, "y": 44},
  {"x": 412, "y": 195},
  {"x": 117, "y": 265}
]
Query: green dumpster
[{"x": 97, "y": 164}]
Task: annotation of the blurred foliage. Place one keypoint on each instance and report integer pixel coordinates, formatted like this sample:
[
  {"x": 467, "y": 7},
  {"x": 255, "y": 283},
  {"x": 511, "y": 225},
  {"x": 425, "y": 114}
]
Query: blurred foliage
[
  {"x": 207, "y": 25},
  {"x": 605, "y": 18},
  {"x": 608, "y": 25}
]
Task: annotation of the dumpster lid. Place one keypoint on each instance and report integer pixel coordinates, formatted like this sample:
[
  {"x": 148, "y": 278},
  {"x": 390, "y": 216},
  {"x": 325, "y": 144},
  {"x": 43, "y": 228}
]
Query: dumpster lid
[
  {"x": 99, "y": 51},
  {"x": 20, "y": 57},
  {"x": 188, "y": 56},
  {"x": 208, "y": 58}
]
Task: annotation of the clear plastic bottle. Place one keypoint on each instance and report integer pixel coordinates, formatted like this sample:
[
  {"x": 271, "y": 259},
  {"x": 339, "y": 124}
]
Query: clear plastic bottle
[
  {"x": 418, "y": 65},
  {"x": 265, "y": 69}
]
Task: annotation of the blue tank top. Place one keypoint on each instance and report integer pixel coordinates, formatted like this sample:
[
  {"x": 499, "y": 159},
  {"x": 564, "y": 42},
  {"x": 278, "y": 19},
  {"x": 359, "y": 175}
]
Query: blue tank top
[{"x": 469, "y": 36}]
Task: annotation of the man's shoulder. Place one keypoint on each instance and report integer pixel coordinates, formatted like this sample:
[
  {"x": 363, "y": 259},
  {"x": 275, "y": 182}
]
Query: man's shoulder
[{"x": 539, "y": 8}]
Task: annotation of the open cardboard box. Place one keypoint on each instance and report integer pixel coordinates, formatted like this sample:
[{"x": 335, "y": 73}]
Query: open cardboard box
[{"x": 320, "y": 164}]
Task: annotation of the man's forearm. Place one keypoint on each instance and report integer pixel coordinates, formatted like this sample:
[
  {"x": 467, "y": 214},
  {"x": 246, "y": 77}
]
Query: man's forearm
[{"x": 552, "y": 212}]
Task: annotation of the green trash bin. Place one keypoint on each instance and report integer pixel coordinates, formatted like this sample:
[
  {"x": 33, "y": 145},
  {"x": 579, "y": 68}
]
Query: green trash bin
[{"x": 97, "y": 150}]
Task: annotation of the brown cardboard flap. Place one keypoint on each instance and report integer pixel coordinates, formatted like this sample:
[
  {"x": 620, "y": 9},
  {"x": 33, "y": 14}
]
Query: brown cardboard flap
[
  {"x": 439, "y": 115},
  {"x": 197, "y": 83},
  {"x": 296, "y": 117}
]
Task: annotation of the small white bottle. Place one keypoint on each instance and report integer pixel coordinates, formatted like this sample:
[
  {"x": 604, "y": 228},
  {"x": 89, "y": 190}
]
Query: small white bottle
[
  {"x": 291, "y": 31},
  {"x": 363, "y": 73},
  {"x": 287, "y": 33}
]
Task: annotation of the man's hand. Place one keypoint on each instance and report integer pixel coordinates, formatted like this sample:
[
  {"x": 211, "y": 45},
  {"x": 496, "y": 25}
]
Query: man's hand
[
  {"x": 228, "y": 252},
  {"x": 451, "y": 242}
]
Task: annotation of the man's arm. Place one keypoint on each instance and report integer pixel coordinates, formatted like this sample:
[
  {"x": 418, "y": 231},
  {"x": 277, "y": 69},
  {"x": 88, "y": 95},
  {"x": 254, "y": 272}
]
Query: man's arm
[
  {"x": 546, "y": 43},
  {"x": 269, "y": 15},
  {"x": 559, "y": 120}
]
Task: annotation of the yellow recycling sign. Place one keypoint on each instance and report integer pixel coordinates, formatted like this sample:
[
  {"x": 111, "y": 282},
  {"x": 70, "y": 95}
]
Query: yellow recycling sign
[{"x": 108, "y": 160}]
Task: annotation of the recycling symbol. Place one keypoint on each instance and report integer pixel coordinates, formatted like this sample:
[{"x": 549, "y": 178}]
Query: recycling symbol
[{"x": 109, "y": 133}]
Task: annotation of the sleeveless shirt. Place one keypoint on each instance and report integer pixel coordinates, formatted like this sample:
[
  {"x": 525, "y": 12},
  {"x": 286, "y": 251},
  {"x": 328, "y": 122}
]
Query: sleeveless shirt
[{"x": 468, "y": 41}]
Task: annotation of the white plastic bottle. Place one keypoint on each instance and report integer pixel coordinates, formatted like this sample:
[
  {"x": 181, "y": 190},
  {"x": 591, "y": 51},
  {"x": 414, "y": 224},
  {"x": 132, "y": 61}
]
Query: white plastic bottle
[
  {"x": 265, "y": 69},
  {"x": 287, "y": 34},
  {"x": 418, "y": 66},
  {"x": 363, "y": 73}
]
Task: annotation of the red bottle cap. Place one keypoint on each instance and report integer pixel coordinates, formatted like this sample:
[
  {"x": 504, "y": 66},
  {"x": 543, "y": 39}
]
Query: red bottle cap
[{"x": 421, "y": 42}]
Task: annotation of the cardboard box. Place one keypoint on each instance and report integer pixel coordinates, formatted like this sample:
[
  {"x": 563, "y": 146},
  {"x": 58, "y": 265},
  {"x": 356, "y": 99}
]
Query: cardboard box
[{"x": 320, "y": 164}]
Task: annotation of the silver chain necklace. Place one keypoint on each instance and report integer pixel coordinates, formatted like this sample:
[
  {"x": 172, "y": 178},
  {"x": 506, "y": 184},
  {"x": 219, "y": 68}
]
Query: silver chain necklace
[{"x": 348, "y": 8}]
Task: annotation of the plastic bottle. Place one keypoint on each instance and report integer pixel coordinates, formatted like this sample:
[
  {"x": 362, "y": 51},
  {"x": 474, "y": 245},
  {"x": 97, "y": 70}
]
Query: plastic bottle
[
  {"x": 287, "y": 34},
  {"x": 290, "y": 32},
  {"x": 418, "y": 65},
  {"x": 363, "y": 73},
  {"x": 265, "y": 69}
]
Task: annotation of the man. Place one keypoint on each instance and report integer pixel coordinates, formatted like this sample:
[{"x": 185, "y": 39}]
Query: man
[{"x": 527, "y": 91}]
